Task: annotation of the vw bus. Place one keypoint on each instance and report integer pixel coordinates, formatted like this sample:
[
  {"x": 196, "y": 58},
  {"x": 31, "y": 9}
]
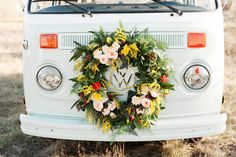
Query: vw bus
[{"x": 192, "y": 29}]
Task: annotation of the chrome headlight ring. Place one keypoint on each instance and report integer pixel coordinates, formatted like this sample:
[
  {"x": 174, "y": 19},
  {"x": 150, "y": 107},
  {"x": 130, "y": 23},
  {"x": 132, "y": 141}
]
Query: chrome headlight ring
[
  {"x": 196, "y": 77},
  {"x": 49, "y": 78}
]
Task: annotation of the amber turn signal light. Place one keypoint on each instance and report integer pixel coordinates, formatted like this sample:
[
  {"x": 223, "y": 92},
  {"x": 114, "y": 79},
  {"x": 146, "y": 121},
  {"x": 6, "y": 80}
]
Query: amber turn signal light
[
  {"x": 196, "y": 40},
  {"x": 49, "y": 41}
]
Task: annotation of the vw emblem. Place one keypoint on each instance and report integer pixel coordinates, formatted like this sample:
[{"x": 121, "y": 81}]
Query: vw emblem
[{"x": 122, "y": 79}]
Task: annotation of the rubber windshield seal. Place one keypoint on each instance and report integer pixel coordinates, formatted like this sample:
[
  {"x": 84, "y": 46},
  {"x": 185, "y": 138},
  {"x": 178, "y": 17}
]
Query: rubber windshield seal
[{"x": 30, "y": 2}]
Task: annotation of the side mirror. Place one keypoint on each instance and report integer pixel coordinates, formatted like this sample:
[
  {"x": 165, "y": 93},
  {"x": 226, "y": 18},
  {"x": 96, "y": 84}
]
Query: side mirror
[
  {"x": 24, "y": 5},
  {"x": 227, "y": 4}
]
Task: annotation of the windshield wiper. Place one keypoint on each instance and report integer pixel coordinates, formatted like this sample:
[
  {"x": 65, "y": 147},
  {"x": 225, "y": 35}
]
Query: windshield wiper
[
  {"x": 85, "y": 11},
  {"x": 175, "y": 10}
]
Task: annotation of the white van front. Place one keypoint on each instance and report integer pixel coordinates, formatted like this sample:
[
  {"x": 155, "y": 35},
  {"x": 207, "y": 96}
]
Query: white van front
[{"x": 192, "y": 110}]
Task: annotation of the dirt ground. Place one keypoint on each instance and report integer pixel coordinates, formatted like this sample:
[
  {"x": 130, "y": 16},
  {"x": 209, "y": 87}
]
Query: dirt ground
[{"x": 15, "y": 144}]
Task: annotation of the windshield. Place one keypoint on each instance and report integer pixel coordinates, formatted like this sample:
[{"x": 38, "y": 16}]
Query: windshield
[{"x": 119, "y": 6}]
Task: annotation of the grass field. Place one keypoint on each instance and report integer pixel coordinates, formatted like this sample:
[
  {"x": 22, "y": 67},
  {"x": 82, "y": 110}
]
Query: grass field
[{"x": 13, "y": 143}]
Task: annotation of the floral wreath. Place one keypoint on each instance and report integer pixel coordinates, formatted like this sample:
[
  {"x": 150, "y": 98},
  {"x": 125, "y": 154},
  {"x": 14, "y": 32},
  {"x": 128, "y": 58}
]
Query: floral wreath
[{"x": 119, "y": 50}]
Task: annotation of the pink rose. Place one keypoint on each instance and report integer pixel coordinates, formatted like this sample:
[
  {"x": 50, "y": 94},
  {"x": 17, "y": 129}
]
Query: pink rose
[
  {"x": 115, "y": 46},
  {"x": 112, "y": 115},
  {"x": 98, "y": 106},
  {"x": 112, "y": 54},
  {"x": 103, "y": 59},
  {"x": 97, "y": 54},
  {"x": 154, "y": 93},
  {"x": 106, "y": 111},
  {"x": 105, "y": 49},
  {"x": 146, "y": 102}
]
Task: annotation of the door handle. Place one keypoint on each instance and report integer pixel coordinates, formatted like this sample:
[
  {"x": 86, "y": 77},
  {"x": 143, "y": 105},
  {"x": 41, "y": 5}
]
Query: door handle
[{"x": 25, "y": 45}]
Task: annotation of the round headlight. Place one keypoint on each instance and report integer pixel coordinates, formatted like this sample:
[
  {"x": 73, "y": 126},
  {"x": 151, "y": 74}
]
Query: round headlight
[
  {"x": 49, "y": 78},
  {"x": 196, "y": 77}
]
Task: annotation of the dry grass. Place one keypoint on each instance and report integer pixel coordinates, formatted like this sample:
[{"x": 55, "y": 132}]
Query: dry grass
[{"x": 13, "y": 143}]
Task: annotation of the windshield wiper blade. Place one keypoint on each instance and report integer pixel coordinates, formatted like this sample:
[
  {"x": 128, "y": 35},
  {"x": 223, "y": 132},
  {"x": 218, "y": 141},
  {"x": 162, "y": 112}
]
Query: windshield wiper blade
[
  {"x": 175, "y": 10},
  {"x": 85, "y": 11}
]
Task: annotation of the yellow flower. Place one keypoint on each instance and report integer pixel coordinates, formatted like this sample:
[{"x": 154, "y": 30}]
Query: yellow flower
[
  {"x": 152, "y": 107},
  {"x": 126, "y": 50},
  {"x": 154, "y": 72},
  {"x": 166, "y": 91},
  {"x": 105, "y": 83},
  {"x": 109, "y": 40},
  {"x": 134, "y": 47},
  {"x": 158, "y": 109},
  {"x": 129, "y": 110},
  {"x": 98, "y": 122},
  {"x": 155, "y": 85},
  {"x": 133, "y": 54},
  {"x": 145, "y": 89},
  {"x": 90, "y": 117},
  {"x": 106, "y": 125},
  {"x": 87, "y": 90},
  {"x": 134, "y": 50},
  {"x": 158, "y": 100},
  {"x": 95, "y": 68},
  {"x": 114, "y": 64},
  {"x": 117, "y": 104},
  {"x": 92, "y": 46},
  {"x": 81, "y": 78},
  {"x": 108, "y": 84},
  {"x": 96, "y": 97},
  {"x": 120, "y": 36},
  {"x": 144, "y": 123},
  {"x": 78, "y": 64}
]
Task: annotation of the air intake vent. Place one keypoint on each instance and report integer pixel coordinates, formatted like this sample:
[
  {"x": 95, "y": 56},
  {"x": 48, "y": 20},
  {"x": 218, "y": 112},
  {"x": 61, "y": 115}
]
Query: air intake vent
[
  {"x": 66, "y": 40},
  {"x": 174, "y": 40}
]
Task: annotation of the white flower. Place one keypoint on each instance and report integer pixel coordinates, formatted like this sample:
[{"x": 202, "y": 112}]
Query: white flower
[
  {"x": 154, "y": 93},
  {"x": 106, "y": 111},
  {"x": 139, "y": 111},
  {"x": 112, "y": 115},
  {"x": 97, "y": 54},
  {"x": 145, "y": 90},
  {"x": 168, "y": 68},
  {"x": 112, "y": 54},
  {"x": 98, "y": 106},
  {"x": 103, "y": 59},
  {"x": 159, "y": 98},
  {"x": 146, "y": 102},
  {"x": 105, "y": 49},
  {"x": 160, "y": 54},
  {"x": 115, "y": 46},
  {"x": 104, "y": 100},
  {"x": 136, "y": 100},
  {"x": 112, "y": 106}
]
